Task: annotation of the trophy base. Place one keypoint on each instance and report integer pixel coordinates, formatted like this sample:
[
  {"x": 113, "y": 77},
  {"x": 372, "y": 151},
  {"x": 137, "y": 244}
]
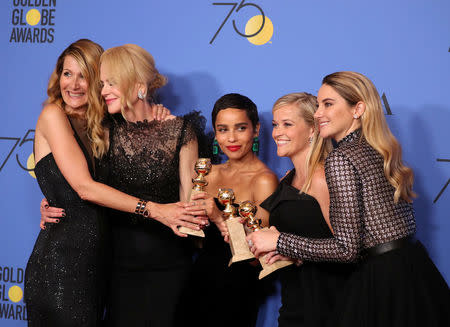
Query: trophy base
[
  {"x": 239, "y": 258},
  {"x": 238, "y": 242},
  {"x": 192, "y": 232},
  {"x": 268, "y": 269}
]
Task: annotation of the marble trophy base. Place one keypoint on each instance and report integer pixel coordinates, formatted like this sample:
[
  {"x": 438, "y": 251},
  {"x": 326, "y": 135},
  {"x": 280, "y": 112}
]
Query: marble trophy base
[
  {"x": 187, "y": 230},
  {"x": 268, "y": 269},
  {"x": 238, "y": 242}
]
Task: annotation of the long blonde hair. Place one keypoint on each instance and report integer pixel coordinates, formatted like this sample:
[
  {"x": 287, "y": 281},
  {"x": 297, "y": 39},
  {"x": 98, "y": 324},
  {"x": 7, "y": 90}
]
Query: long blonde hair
[
  {"x": 129, "y": 65},
  {"x": 87, "y": 54},
  {"x": 320, "y": 147},
  {"x": 355, "y": 87}
]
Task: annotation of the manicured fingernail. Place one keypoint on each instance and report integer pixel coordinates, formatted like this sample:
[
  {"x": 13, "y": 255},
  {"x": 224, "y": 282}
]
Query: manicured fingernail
[
  {"x": 63, "y": 210},
  {"x": 57, "y": 220},
  {"x": 46, "y": 206},
  {"x": 63, "y": 214}
]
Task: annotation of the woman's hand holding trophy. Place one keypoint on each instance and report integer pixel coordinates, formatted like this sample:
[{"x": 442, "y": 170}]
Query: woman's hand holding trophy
[
  {"x": 236, "y": 232},
  {"x": 202, "y": 168}
]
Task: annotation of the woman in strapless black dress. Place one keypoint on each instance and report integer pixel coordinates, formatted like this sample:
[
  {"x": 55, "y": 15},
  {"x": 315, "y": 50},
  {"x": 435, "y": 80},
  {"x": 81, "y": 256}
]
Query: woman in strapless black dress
[{"x": 229, "y": 295}]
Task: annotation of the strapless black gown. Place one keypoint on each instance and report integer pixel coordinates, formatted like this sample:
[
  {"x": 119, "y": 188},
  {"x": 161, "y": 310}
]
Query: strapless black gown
[
  {"x": 63, "y": 285},
  {"x": 219, "y": 295},
  {"x": 308, "y": 292}
]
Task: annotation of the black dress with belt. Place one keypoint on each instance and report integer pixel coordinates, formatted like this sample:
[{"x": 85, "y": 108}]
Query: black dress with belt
[
  {"x": 308, "y": 291},
  {"x": 395, "y": 283}
]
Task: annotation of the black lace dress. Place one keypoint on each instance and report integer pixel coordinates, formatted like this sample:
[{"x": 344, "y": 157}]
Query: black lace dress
[
  {"x": 149, "y": 263},
  {"x": 401, "y": 287},
  {"x": 63, "y": 278},
  {"x": 308, "y": 292}
]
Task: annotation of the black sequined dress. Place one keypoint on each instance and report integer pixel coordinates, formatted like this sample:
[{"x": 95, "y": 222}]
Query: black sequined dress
[
  {"x": 401, "y": 287},
  {"x": 63, "y": 278},
  {"x": 150, "y": 263},
  {"x": 308, "y": 292}
]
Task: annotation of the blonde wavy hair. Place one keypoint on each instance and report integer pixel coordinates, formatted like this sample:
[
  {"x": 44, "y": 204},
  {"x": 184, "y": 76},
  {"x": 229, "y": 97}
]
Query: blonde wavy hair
[
  {"x": 320, "y": 147},
  {"x": 87, "y": 54},
  {"x": 355, "y": 87},
  {"x": 131, "y": 65}
]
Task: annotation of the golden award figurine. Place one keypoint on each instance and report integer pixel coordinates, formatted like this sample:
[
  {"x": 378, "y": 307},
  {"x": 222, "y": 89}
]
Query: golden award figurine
[
  {"x": 238, "y": 243},
  {"x": 202, "y": 168},
  {"x": 247, "y": 211}
]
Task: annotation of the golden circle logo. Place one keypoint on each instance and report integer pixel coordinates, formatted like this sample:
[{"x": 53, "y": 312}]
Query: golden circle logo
[
  {"x": 33, "y": 17},
  {"x": 254, "y": 24},
  {"x": 15, "y": 293},
  {"x": 31, "y": 165},
  {"x": 33, "y": 25}
]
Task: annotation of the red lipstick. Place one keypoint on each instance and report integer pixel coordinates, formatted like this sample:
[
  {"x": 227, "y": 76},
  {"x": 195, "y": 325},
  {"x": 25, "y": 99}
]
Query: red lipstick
[{"x": 233, "y": 148}]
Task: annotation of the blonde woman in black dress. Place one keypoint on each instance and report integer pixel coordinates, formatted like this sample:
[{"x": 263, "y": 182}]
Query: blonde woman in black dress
[{"x": 64, "y": 275}]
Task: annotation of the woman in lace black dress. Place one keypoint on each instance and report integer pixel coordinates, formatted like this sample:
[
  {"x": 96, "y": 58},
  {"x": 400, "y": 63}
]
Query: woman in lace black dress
[
  {"x": 64, "y": 273},
  {"x": 300, "y": 206},
  {"x": 151, "y": 160},
  {"x": 396, "y": 283}
]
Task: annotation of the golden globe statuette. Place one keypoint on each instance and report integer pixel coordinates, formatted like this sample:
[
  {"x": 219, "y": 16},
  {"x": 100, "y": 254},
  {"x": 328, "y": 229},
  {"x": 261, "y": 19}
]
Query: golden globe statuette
[
  {"x": 247, "y": 211},
  {"x": 202, "y": 168},
  {"x": 238, "y": 242}
]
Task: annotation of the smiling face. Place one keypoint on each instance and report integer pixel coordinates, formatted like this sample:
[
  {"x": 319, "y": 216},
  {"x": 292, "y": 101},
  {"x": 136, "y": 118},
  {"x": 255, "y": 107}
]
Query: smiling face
[
  {"x": 290, "y": 131},
  {"x": 74, "y": 87},
  {"x": 235, "y": 132},
  {"x": 110, "y": 90},
  {"x": 335, "y": 116}
]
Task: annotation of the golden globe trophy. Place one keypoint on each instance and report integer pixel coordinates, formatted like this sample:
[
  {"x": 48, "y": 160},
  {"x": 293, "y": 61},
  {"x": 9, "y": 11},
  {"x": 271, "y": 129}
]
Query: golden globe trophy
[
  {"x": 238, "y": 243},
  {"x": 247, "y": 211},
  {"x": 202, "y": 168}
]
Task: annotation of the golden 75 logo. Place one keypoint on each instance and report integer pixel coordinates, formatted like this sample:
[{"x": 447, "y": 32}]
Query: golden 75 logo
[{"x": 259, "y": 28}]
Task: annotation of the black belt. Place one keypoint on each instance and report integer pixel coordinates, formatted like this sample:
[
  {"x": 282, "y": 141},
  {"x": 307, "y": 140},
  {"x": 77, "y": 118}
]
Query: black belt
[{"x": 388, "y": 246}]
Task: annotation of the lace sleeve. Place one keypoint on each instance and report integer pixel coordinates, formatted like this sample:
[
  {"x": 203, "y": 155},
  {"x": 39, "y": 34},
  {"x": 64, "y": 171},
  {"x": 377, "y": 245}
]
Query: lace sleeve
[
  {"x": 346, "y": 210},
  {"x": 194, "y": 128}
]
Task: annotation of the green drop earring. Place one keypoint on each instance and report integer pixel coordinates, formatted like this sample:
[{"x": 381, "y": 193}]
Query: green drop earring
[
  {"x": 255, "y": 146},
  {"x": 215, "y": 147}
]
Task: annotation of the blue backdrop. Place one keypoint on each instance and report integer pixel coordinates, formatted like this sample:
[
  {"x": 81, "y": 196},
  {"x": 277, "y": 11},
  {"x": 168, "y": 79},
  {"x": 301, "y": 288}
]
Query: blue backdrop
[{"x": 402, "y": 45}]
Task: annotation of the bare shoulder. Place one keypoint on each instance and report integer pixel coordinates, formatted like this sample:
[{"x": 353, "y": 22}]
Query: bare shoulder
[
  {"x": 265, "y": 178},
  {"x": 319, "y": 177},
  {"x": 319, "y": 185},
  {"x": 51, "y": 111},
  {"x": 51, "y": 116},
  {"x": 264, "y": 183}
]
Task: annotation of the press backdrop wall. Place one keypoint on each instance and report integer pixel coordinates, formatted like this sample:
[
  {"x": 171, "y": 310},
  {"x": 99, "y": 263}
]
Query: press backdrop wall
[{"x": 402, "y": 45}]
